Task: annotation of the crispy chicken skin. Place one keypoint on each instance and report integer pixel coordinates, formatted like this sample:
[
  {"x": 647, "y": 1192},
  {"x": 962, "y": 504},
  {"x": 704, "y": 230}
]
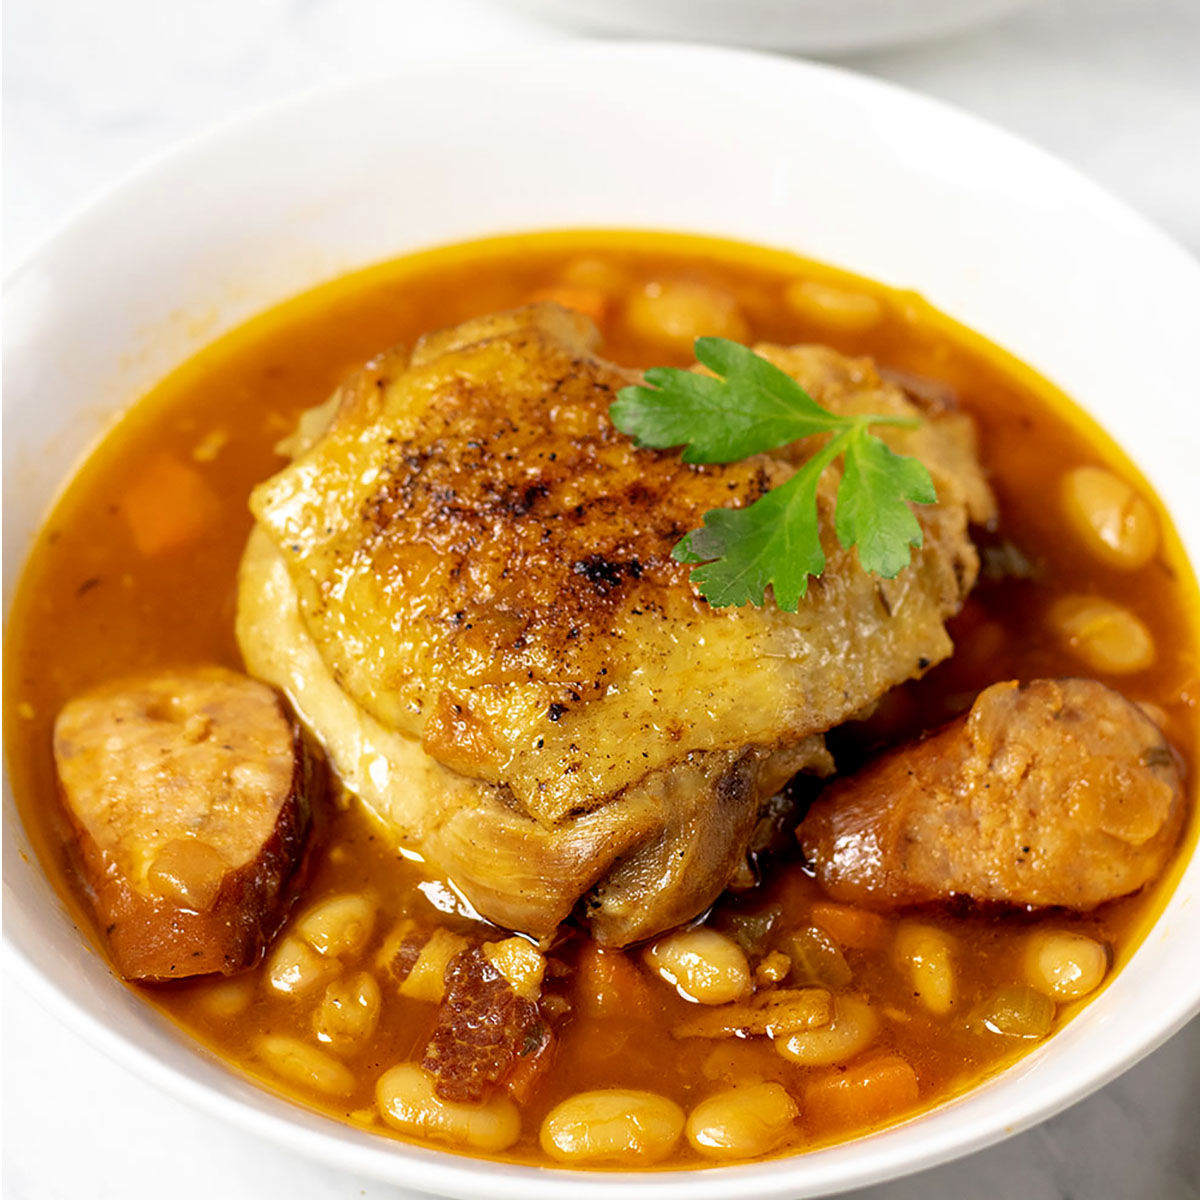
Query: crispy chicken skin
[
  {"x": 464, "y": 582},
  {"x": 1055, "y": 792},
  {"x": 190, "y": 794}
]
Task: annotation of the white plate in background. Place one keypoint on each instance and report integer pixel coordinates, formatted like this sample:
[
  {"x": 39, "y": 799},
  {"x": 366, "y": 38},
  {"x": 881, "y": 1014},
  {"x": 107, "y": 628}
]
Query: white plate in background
[
  {"x": 811, "y": 26},
  {"x": 792, "y": 155}
]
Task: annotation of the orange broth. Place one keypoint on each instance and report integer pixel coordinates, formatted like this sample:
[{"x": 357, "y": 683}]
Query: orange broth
[{"x": 92, "y": 606}]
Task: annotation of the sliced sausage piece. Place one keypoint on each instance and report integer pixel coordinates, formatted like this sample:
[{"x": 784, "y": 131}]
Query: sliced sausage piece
[
  {"x": 1056, "y": 792},
  {"x": 190, "y": 794}
]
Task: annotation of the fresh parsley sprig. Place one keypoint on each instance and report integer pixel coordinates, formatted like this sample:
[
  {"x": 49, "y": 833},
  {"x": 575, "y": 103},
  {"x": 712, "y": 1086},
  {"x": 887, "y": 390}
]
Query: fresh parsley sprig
[{"x": 749, "y": 406}]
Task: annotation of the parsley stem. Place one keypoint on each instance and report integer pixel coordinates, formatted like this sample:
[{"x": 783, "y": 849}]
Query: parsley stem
[{"x": 897, "y": 422}]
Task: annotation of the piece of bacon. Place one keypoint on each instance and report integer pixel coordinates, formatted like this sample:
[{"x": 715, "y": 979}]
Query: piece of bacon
[{"x": 484, "y": 1030}]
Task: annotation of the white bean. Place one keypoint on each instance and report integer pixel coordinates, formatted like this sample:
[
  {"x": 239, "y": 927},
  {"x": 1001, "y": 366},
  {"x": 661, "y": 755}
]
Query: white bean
[
  {"x": 837, "y": 307},
  {"x": 927, "y": 955},
  {"x": 304, "y": 1065},
  {"x": 851, "y": 1031},
  {"x": 407, "y": 1101},
  {"x": 612, "y": 1126},
  {"x": 1064, "y": 965},
  {"x": 1113, "y": 521},
  {"x": 339, "y": 927},
  {"x": 676, "y": 313},
  {"x": 744, "y": 1122},
  {"x": 224, "y": 999},
  {"x": 704, "y": 965},
  {"x": 1105, "y": 635},
  {"x": 590, "y": 272},
  {"x": 348, "y": 1012},
  {"x": 295, "y": 968}
]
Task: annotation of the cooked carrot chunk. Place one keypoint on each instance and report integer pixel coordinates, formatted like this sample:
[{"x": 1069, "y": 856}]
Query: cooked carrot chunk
[
  {"x": 608, "y": 984},
  {"x": 590, "y": 301},
  {"x": 851, "y": 927},
  {"x": 861, "y": 1095},
  {"x": 168, "y": 505}
]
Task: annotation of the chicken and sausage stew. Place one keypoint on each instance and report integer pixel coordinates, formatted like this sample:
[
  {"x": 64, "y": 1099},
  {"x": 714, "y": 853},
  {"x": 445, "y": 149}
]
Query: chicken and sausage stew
[{"x": 608, "y": 700}]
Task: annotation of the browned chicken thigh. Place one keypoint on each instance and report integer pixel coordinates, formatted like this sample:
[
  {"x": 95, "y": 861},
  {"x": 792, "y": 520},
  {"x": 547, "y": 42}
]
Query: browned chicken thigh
[
  {"x": 1056, "y": 792},
  {"x": 464, "y": 583}
]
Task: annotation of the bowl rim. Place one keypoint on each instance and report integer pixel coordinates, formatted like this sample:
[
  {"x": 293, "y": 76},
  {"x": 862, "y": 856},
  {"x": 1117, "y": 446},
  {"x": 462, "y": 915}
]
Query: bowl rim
[
  {"x": 583, "y": 48},
  {"x": 444, "y": 1173}
]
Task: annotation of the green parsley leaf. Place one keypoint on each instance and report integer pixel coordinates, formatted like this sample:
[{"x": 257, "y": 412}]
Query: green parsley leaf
[
  {"x": 775, "y": 542},
  {"x": 871, "y": 510},
  {"x": 754, "y": 408},
  {"x": 749, "y": 406}
]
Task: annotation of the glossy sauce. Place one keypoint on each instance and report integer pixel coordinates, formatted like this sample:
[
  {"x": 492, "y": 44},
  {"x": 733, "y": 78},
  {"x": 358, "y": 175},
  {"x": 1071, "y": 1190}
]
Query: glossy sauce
[{"x": 91, "y": 606}]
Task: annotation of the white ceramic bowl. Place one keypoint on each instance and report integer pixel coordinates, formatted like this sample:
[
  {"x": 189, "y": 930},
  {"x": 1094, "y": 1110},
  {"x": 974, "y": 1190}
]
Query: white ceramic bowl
[
  {"x": 792, "y": 155},
  {"x": 813, "y": 26}
]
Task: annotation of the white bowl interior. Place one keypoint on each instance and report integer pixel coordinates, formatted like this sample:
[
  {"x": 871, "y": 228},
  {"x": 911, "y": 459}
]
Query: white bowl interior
[{"x": 791, "y": 155}]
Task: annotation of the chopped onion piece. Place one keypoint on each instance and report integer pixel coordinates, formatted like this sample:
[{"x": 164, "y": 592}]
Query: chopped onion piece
[{"x": 1016, "y": 1011}]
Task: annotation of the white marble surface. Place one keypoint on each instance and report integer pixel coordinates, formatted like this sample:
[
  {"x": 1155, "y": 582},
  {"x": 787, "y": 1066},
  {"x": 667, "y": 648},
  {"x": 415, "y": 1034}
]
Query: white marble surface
[{"x": 93, "y": 88}]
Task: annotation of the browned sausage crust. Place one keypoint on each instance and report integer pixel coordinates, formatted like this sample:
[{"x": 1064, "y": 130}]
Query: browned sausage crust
[
  {"x": 1056, "y": 792},
  {"x": 190, "y": 795}
]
